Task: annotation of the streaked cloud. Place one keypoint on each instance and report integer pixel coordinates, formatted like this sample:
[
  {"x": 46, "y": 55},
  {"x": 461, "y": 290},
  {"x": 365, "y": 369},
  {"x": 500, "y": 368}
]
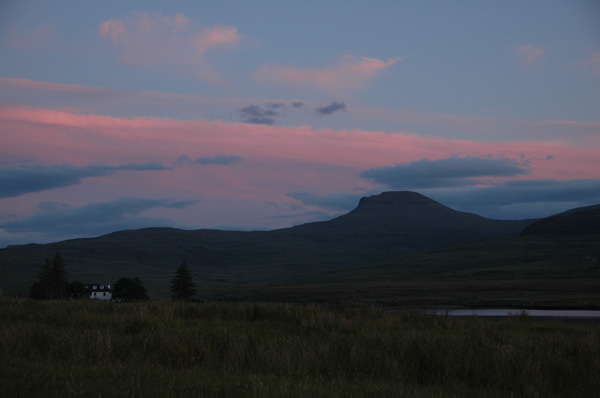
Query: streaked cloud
[
  {"x": 159, "y": 41},
  {"x": 530, "y": 191},
  {"x": 84, "y": 84},
  {"x": 512, "y": 199},
  {"x": 528, "y": 54},
  {"x": 349, "y": 74},
  {"x": 331, "y": 108},
  {"x": 297, "y": 168},
  {"x": 15, "y": 181},
  {"x": 519, "y": 199},
  {"x": 99, "y": 100},
  {"x": 219, "y": 160},
  {"x": 63, "y": 220},
  {"x": 451, "y": 172},
  {"x": 74, "y": 91},
  {"x": 183, "y": 159},
  {"x": 257, "y": 115},
  {"x": 29, "y": 132},
  {"x": 336, "y": 201}
]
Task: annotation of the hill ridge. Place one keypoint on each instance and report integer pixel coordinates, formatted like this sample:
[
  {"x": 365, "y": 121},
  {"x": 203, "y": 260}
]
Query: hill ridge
[
  {"x": 380, "y": 227},
  {"x": 583, "y": 220}
]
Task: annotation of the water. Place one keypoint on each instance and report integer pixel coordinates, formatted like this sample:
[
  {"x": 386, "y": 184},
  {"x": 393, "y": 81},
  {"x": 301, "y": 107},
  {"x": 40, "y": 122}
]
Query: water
[{"x": 512, "y": 312}]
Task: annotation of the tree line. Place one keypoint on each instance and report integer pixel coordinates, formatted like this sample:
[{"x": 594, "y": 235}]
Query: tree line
[{"x": 53, "y": 284}]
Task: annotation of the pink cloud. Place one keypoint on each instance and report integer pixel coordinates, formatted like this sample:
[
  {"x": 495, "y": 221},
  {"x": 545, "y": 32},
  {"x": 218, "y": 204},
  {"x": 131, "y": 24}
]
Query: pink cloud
[
  {"x": 49, "y": 86},
  {"x": 349, "y": 74},
  {"x": 274, "y": 161},
  {"x": 492, "y": 127},
  {"x": 52, "y": 136},
  {"x": 155, "y": 40},
  {"x": 77, "y": 96},
  {"x": 527, "y": 54},
  {"x": 76, "y": 101}
]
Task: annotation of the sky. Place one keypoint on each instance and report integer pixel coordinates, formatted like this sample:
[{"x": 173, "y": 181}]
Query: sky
[{"x": 268, "y": 114}]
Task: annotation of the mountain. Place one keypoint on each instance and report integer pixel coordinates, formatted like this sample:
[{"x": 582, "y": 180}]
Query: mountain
[
  {"x": 380, "y": 227},
  {"x": 554, "y": 263},
  {"x": 407, "y": 221}
]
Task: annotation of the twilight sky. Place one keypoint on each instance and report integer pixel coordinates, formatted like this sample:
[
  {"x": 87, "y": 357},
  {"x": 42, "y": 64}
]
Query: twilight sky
[{"x": 268, "y": 114}]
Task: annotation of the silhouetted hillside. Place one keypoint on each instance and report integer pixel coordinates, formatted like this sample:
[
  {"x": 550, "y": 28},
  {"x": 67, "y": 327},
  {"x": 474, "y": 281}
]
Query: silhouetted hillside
[
  {"x": 585, "y": 220},
  {"x": 555, "y": 263},
  {"x": 381, "y": 227}
]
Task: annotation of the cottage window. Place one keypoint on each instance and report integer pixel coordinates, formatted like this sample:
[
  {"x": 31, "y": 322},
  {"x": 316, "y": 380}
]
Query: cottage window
[
  {"x": 94, "y": 287},
  {"x": 104, "y": 294},
  {"x": 101, "y": 287}
]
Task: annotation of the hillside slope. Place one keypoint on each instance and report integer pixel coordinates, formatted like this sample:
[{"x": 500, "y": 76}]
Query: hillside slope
[
  {"x": 585, "y": 220},
  {"x": 381, "y": 227},
  {"x": 555, "y": 263},
  {"x": 408, "y": 220}
]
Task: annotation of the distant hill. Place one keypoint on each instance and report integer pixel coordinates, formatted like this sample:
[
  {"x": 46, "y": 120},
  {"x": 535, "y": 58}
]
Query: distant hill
[
  {"x": 407, "y": 221},
  {"x": 585, "y": 220},
  {"x": 381, "y": 227},
  {"x": 554, "y": 263}
]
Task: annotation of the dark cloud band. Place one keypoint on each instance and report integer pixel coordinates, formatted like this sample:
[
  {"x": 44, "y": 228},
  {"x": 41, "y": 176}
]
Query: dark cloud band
[
  {"x": 331, "y": 108},
  {"x": 443, "y": 173},
  {"x": 338, "y": 201},
  {"x": 15, "y": 181},
  {"x": 256, "y": 115},
  {"x": 93, "y": 219},
  {"x": 219, "y": 159}
]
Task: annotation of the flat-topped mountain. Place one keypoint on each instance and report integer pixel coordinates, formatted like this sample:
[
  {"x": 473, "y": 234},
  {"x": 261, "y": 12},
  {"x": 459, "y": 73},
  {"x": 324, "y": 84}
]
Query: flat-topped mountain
[
  {"x": 382, "y": 226},
  {"x": 407, "y": 221},
  {"x": 396, "y": 199}
]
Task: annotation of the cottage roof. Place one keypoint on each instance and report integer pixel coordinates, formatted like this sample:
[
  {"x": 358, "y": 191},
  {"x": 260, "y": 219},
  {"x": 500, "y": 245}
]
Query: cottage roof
[{"x": 99, "y": 287}]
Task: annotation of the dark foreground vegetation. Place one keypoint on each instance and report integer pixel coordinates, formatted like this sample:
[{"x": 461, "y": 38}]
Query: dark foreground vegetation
[{"x": 160, "y": 348}]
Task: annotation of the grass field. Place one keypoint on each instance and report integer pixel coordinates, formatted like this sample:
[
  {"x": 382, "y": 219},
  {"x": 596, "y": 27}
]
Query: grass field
[
  {"x": 544, "y": 272},
  {"x": 160, "y": 348}
]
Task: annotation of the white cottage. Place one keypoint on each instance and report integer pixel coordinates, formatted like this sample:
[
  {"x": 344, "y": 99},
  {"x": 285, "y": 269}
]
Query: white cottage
[{"x": 99, "y": 291}]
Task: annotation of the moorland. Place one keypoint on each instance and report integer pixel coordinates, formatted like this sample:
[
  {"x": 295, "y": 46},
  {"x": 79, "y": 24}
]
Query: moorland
[
  {"x": 165, "y": 348},
  {"x": 396, "y": 249},
  {"x": 326, "y": 309}
]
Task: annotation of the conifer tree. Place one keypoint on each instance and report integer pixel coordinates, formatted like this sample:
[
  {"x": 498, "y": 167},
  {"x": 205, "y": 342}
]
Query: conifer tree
[
  {"x": 52, "y": 280},
  {"x": 182, "y": 286}
]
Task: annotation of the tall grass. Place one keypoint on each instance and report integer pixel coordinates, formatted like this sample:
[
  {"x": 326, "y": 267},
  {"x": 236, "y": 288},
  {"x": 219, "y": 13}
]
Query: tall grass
[{"x": 172, "y": 348}]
